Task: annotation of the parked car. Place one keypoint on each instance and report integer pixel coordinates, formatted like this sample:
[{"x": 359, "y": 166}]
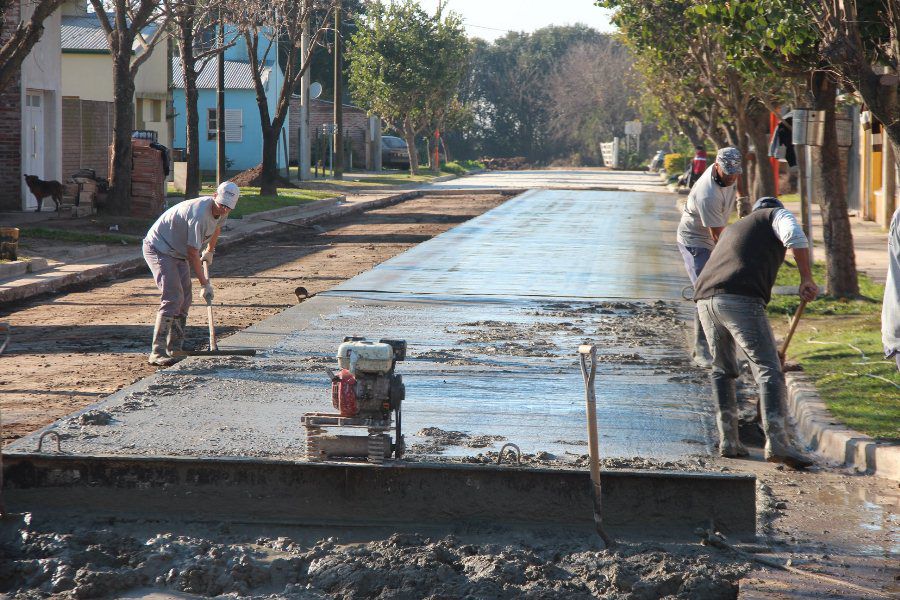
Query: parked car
[{"x": 394, "y": 152}]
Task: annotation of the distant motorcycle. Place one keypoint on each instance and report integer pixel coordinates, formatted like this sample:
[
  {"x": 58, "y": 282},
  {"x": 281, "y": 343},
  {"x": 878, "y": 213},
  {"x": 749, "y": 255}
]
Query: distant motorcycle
[{"x": 657, "y": 162}]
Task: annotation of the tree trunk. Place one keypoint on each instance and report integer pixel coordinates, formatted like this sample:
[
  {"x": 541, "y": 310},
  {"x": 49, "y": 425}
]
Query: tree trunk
[
  {"x": 764, "y": 178},
  {"x": 410, "y": 137},
  {"x": 743, "y": 182},
  {"x": 192, "y": 146},
  {"x": 191, "y": 96},
  {"x": 840, "y": 258},
  {"x": 268, "y": 185},
  {"x": 119, "y": 200}
]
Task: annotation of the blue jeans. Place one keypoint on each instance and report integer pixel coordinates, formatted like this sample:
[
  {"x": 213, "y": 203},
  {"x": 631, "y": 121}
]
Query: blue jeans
[{"x": 694, "y": 259}]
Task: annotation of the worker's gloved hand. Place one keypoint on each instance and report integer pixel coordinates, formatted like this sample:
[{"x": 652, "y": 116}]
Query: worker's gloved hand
[
  {"x": 809, "y": 290},
  {"x": 207, "y": 257},
  {"x": 208, "y": 293}
]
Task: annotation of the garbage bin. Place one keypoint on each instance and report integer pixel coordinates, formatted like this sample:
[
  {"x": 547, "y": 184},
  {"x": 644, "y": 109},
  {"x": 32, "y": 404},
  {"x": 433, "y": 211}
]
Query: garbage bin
[{"x": 9, "y": 243}]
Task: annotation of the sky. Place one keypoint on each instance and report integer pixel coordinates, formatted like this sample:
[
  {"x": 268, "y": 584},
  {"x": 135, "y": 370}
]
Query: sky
[{"x": 490, "y": 19}]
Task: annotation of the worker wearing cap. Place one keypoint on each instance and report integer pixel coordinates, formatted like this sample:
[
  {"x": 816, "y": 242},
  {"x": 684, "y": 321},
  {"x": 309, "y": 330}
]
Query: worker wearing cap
[
  {"x": 703, "y": 218},
  {"x": 172, "y": 249},
  {"x": 731, "y": 295}
]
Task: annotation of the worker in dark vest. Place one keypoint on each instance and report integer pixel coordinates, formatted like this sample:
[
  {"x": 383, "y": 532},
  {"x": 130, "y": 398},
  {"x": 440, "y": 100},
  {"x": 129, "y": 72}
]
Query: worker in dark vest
[{"x": 731, "y": 294}]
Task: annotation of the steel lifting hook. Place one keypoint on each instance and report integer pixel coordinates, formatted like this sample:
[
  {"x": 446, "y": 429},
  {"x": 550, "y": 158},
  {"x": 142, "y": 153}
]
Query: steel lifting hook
[
  {"x": 45, "y": 434},
  {"x": 513, "y": 448}
]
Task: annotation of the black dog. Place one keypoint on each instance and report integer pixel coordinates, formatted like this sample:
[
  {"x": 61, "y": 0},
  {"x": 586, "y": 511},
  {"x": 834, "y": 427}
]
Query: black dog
[{"x": 41, "y": 189}]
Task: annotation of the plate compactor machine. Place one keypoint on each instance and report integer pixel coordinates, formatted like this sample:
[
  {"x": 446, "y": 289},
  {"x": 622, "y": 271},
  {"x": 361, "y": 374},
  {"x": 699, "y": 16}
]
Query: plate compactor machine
[{"x": 365, "y": 392}]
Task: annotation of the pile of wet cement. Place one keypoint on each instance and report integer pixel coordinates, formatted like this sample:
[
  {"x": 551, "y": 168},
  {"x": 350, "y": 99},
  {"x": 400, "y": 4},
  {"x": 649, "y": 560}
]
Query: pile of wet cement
[{"x": 95, "y": 562}]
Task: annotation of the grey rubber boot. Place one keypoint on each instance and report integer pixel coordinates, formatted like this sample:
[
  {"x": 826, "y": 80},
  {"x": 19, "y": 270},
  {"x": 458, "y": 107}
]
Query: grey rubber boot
[
  {"x": 778, "y": 447},
  {"x": 700, "y": 353},
  {"x": 175, "y": 339},
  {"x": 730, "y": 445},
  {"x": 158, "y": 355}
]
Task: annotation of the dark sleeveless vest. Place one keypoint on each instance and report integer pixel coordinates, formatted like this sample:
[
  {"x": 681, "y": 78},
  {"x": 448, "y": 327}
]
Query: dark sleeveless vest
[{"x": 745, "y": 260}]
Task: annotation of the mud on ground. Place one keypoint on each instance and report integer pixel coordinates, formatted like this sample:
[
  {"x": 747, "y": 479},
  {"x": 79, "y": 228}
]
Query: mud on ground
[
  {"x": 122, "y": 559},
  {"x": 69, "y": 350}
]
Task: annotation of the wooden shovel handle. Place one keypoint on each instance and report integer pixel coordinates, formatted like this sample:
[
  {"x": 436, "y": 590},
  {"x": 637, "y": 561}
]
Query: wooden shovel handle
[{"x": 794, "y": 322}]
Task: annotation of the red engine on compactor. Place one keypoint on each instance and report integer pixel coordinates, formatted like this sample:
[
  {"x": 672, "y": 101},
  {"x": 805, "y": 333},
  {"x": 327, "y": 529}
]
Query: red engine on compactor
[{"x": 365, "y": 392}]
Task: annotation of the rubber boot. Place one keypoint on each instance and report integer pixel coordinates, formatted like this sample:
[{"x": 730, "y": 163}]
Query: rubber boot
[
  {"x": 175, "y": 339},
  {"x": 730, "y": 445},
  {"x": 778, "y": 447},
  {"x": 158, "y": 355},
  {"x": 700, "y": 353}
]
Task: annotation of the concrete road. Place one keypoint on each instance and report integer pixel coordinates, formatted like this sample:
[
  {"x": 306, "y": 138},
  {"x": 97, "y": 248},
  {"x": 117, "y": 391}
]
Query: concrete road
[
  {"x": 571, "y": 178},
  {"x": 493, "y": 312}
]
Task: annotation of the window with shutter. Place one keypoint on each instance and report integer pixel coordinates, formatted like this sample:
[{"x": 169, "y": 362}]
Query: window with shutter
[{"x": 234, "y": 125}]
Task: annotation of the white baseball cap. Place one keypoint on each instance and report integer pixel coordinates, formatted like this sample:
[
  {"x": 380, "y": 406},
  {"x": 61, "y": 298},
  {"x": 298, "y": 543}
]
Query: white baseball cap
[{"x": 227, "y": 194}]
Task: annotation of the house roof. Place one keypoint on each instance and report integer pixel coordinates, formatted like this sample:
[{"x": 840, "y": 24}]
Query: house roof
[
  {"x": 85, "y": 34},
  {"x": 238, "y": 75}
]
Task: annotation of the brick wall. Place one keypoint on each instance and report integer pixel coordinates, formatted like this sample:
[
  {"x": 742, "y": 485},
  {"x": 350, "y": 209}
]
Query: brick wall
[
  {"x": 11, "y": 127},
  {"x": 321, "y": 112},
  {"x": 87, "y": 135}
]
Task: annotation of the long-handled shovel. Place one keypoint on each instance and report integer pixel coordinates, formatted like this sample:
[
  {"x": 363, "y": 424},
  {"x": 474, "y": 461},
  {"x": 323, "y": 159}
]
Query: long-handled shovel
[
  {"x": 213, "y": 343},
  {"x": 782, "y": 354},
  {"x": 584, "y": 351}
]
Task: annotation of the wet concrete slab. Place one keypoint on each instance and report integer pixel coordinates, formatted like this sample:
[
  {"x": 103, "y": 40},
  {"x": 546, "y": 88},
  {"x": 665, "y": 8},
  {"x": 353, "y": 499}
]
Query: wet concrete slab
[
  {"x": 492, "y": 312},
  {"x": 545, "y": 243},
  {"x": 569, "y": 179}
]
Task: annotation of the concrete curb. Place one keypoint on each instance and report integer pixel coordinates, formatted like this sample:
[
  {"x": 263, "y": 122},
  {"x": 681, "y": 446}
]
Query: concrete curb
[
  {"x": 289, "y": 212},
  {"x": 113, "y": 266},
  {"x": 818, "y": 429}
]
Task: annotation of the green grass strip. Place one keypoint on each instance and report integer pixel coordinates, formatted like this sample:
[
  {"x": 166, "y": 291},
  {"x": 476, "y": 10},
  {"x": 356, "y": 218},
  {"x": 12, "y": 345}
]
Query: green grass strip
[
  {"x": 845, "y": 357},
  {"x": 869, "y": 302},
  {"x": 65, "y": 235}
]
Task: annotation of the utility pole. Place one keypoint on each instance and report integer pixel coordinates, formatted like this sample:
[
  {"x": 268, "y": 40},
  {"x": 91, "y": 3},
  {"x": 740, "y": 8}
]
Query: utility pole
[
  {"x": 338, "y": 172},
  {"x": 220, "y": 105},
  {"x": 304, "y": 158}
]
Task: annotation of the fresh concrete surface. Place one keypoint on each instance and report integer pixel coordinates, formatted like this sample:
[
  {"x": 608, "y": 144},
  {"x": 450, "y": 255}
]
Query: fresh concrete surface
[
  {"x": 572, "y": 179},
  {"x": 492, "y": 359}
]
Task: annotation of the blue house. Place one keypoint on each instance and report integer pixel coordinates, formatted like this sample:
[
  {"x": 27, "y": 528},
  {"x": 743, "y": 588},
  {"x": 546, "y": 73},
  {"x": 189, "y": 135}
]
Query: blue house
[{"x": 243, "y": 131}]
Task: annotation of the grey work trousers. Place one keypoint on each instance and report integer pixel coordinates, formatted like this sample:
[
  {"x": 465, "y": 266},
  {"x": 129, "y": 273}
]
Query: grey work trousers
[
  {"x": 173, "y": 278},
  {"x": 730, "y": 319}
]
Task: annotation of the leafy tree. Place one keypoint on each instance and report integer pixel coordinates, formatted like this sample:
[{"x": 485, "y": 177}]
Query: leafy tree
[
  {"x": 687, "y": 61},
  {"x": 779, "y": 38},
  {"x": 509, "y": 89},
  {"x": 406, "y": 66}
]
